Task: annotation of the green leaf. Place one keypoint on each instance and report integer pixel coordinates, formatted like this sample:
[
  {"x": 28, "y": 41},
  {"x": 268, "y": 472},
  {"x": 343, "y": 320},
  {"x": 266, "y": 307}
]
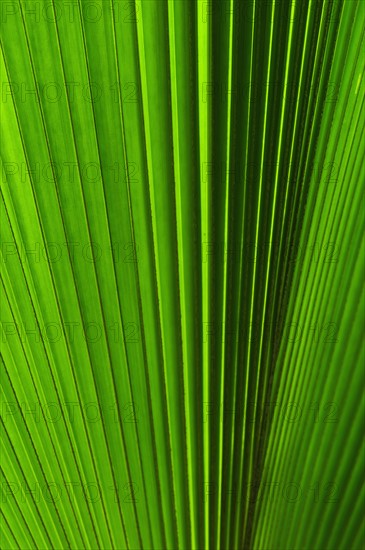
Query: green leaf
[{"x": 182, "y": 274}]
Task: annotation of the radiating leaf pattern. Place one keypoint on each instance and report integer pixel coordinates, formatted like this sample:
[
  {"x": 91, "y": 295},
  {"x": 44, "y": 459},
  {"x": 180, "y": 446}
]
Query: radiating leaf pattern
[{"x": 182, "y": 274}]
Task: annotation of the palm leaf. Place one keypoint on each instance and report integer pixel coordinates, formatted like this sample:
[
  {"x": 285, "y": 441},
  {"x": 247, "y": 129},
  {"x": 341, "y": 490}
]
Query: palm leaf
[{"x": 182, "y": 267}]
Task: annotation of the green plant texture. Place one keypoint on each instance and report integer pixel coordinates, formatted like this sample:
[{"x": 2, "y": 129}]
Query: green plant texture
[{"x": 182, "y": 274}]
